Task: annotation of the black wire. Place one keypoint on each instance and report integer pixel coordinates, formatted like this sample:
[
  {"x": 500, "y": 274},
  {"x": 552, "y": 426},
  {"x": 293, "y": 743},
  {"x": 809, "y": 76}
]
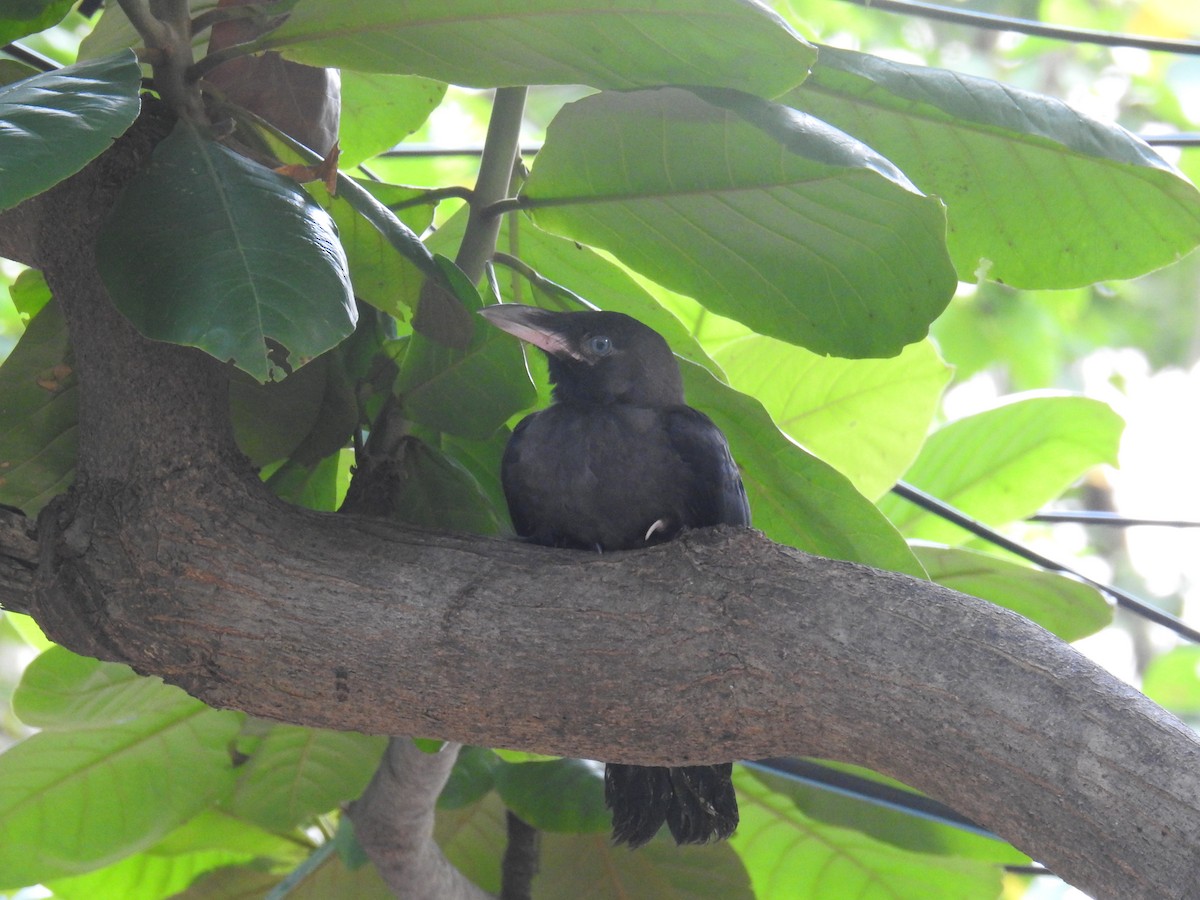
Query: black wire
[
  {"x": 1103, "y": 517},
  {"x": 977, "y": 528},
  {"x": 1028, "y": 26},
  {"x": 30, "y": 57}
]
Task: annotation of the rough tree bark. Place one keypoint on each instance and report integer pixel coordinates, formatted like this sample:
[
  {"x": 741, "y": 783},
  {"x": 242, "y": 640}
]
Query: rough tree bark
[{"x": 169, "y": 555}]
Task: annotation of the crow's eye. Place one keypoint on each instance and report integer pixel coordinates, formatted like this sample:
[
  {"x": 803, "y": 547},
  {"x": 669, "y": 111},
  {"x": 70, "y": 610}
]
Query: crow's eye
[{"x": 600, "y": 345}]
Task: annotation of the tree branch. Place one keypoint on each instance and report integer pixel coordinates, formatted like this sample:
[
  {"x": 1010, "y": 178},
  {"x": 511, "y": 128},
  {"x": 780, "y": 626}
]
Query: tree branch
[
  {"x": 394, "y": 823},
  {"x": 169, "y": 555}
]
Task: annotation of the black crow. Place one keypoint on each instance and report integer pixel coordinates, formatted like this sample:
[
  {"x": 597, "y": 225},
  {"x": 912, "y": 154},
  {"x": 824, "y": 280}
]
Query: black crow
[{"x": 618, "y": 462}]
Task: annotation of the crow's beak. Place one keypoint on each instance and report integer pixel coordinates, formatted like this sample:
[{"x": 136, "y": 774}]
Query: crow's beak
[{"x": 540, "y": 327}]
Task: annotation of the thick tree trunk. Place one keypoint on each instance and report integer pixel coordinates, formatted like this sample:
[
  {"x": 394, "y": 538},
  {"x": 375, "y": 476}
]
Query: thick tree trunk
[{"x": 170, "y": 556}]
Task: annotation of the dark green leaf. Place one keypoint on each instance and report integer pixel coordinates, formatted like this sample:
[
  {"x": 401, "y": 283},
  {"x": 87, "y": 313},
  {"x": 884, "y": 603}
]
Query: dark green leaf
[
  {"x": 760, "y": 213},
  {"x": 1068, "y": 608},
  {"x": 211, "y": 250},
  {"x": 565, "y": 795},
  {"x": 37, "y": 415},
  {"x": 53, "y": 124},
  {"x": 1107, "y": 206},
  {"x": 469, "y": 393},
  {"x": 1004, "y": 464},
  {"x": 434, "y": 491},
  {"x": 605, "y": 43}
]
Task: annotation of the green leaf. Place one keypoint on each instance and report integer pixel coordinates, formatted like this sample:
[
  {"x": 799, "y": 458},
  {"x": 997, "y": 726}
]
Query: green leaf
[
  {"x": 29, "y": 292},
  {"x": 210, "y": 250},
  {"x": 1067, "y": 608},
  {"x": 321, "y": 485},
  {"x": 382, "y": 271},
  {"x": 53, "y": 124},
  {"x": 1173, "y": 680},
  {"x": 589, "y": 867},
  {"x": 73, "y": 801},
  {"x": 761, "y": 213},
  {"x": 434, "y": 491},
  {"x": 379, "y": 111},
  {"x": 25, "y": 17},
  {"x": 469, "y": 393},
  {"x": 1038, "y": 194},
  {"x": 296, "y": 773},
  {"x": 145, "y": 876},
  {"x": 473, "y": 776},
  {"x": 790, "y": 855},
  {"x": 563, "y": 795},
  {"x": 796, "y": 498},
  {"x": 866, "y": 417},
  {"x": 62, "y": 691},
  {"x": 473, "y": 839},
  {"x": 38, "y": 415},
  {"x": 1005, "y": 463},
  {"x": 894, "y": 826},
  {"x": 616, "y": 44}
]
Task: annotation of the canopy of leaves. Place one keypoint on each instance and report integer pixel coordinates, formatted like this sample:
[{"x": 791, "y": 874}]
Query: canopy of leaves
[{"x": 793, "y": 220}]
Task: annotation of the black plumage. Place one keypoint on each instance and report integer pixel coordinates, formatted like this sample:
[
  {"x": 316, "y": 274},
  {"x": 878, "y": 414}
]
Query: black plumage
[{"x": 619, "y": 462}]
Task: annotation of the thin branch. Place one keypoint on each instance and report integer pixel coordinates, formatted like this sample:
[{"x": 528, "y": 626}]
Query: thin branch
[
  {"x": 394, "y": 821},
  {"x": 495, "y": 177}
]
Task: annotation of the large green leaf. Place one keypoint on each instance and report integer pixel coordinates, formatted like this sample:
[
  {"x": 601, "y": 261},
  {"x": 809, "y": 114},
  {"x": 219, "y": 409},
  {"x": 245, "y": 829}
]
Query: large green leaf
[
  {"x": 62, "y": 691},
  {"x": 295, "y": 773},
  {"x": 865, "y": 417},
  {"x": 1038, "y": 194},
  {"x": 790, "y": 855},
  {"x": 211, "y": 250},
  {"x": 38, "y": 414},
  {"x": 605, "y": 43},
  {"x": 759, "y": 212},
  {"x": 435, "y": 491},
  {"x": 562, "y": 795},
  {"x": 1003, "y": 464},
  {"x": 1068, "y": 608},
  {"x": 796, "y": 498},
  {"x": 73, "y": 800},
  {"x": 53, "y": 124}
]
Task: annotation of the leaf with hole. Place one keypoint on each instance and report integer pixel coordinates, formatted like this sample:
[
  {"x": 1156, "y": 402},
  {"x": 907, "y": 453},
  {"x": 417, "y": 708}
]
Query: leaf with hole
[{"x": 210, "y": 250}]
